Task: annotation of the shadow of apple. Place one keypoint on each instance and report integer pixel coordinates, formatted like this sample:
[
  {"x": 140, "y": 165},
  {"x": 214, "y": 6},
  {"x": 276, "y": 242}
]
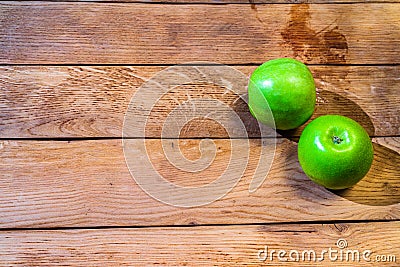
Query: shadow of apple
[
  {"x": 381, "y": 185},
  {"x": 332, "y": 103},
  {"x": 241, "y": 108}
]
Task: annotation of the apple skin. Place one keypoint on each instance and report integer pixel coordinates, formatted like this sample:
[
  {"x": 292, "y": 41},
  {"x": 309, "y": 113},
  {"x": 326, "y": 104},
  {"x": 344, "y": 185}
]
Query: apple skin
[
  {"x": 335, "y": 151},
  {"x": 284, "y": 87}
]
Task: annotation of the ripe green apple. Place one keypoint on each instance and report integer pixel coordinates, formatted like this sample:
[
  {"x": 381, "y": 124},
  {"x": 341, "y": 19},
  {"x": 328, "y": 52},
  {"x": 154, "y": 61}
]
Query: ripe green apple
[
  {"x": 287, "y": 87},
  {"x": 335, "y": 151}
]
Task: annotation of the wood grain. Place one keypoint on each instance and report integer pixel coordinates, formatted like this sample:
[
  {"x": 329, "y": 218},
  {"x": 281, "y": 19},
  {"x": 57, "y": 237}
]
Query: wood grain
[
  {"x": 87, "y": 183},
  {"x": 204, "y": 246},
  {"x": 88, "y": 101},
  {"x": 78, "y": 33}
]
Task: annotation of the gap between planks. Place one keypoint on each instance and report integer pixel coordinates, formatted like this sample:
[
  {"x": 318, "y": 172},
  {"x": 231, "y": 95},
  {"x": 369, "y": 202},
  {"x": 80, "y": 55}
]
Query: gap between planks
[
  {"x": 105, "y": 227},
  {"x": 218, "y": 2}
]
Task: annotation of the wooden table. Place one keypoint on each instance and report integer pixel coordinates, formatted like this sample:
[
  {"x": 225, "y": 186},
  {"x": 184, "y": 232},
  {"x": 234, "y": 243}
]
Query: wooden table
[{"x": 68, "y": 73}]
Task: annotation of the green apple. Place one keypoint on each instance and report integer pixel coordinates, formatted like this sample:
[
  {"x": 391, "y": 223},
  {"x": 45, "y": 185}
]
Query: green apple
[
  {"x": 335, "y": 151},
  {"x": 285, "y": 87}
]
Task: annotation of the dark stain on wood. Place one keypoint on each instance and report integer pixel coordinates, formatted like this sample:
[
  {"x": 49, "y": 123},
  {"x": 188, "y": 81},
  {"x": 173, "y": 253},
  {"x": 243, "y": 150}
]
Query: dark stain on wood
[
  {"x": 328, "y": 44},
  {"x": 254, "y": 8}
]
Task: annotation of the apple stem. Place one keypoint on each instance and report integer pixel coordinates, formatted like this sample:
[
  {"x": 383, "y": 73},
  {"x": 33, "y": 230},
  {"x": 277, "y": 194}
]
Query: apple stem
[{"x": 337, "y": 140}]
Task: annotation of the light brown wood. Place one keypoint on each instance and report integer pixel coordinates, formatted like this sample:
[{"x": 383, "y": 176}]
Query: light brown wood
[
  {"x": 87, "y": 183},
  {"x": 127, "y": 33},
  {"x": 92, "y": 101},
  {"x": 83, "y": 188},
  {"x": 207, "y": 246}
]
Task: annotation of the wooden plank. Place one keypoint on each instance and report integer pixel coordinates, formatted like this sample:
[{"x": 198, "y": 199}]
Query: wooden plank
[
  {"x": 73, "y": 33},
  {"x": 241, "y": 245},
  {"x": 87, "y": 101},
  {"x": 87, "y": 183}
]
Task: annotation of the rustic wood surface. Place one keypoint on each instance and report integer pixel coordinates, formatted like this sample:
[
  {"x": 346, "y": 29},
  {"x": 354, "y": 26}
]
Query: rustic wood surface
[
  {"x": 89, "y": 101},
  {"x": 87, "y": 183},
  {"x": 78, "y": 32},
  {"x": 205, "y": 245},
  {"x": 68, "y": 70}
]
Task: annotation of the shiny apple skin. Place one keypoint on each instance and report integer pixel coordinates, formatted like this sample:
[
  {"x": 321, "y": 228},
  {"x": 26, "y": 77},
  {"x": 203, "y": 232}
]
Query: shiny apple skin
[
  {"x": 335, "y": 151},
  {"x": 284, "y": 87}
]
